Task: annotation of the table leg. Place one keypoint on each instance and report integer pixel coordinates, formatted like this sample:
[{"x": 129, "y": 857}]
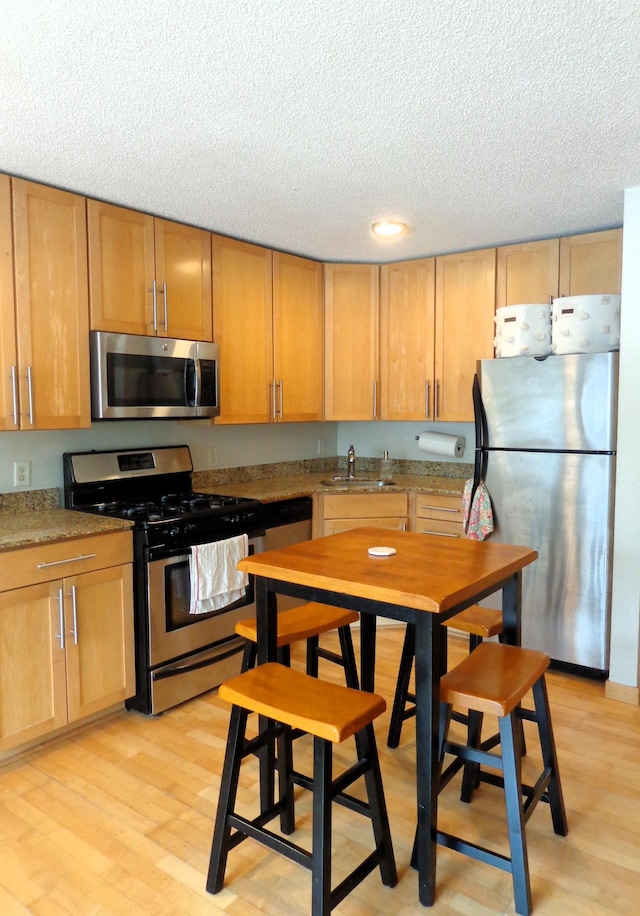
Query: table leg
[
  {"x": 266, "y": 621},
  {"x": 367, "y": 651},
  {"x": 430, "y": 662},
  {"x": 511, "y": 610}
]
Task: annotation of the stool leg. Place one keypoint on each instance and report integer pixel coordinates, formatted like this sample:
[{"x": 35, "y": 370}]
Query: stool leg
[
  {"x": 285, "y": 779},
  {"x": 549, "y": 757},
  {"x": 226, "y": 800},
  {"x": 249, "y": 655},
  {"x": 511, "y": 756},
  {"x": 348, "y": 657},
  {"x": 321, "y": 843},
  {"x": 470, "y": 780},
  {"x": 367, "y": 750},
  {"x": 313, "y": 644},
  {"x": 402, "y": 687}
]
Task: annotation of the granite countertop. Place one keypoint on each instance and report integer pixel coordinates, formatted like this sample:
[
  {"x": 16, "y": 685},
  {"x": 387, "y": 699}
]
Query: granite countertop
[
  {"x": 38, "y": 526},
  {"x": 270, "y": 489}
]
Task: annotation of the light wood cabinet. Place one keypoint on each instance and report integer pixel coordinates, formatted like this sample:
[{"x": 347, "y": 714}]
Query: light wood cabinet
[
  {"x": 46, "y": 255},
  {"x": 591, "y": 264},
  {"x": 66, "y": 644},
  {"x": 528, "y": 273},
  {"x": 351, "y": 341},
  {"x": 148, "y": 275},
  {"x": 268, "y": 323},
  {"x": 343, "y": 511},
  {"x": 437, "y": 514},
  {"x": 407, "y": 342},
  {"x": 464, "y": 311}
]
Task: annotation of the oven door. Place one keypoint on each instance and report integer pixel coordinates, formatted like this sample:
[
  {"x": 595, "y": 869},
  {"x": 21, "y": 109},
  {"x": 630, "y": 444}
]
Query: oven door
[{"x": 173, "y": 631}]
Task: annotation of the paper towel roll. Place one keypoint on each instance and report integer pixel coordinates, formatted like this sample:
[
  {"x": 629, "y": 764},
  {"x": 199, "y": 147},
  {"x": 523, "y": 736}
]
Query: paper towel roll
[{"x": 441, "y": 444}]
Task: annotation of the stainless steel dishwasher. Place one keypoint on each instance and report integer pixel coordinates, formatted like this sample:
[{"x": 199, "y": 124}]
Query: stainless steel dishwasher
[{"x": 288, "y": 521}]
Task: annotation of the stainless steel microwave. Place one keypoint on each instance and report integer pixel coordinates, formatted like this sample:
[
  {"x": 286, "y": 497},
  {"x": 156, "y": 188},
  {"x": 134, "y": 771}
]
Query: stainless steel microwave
[{"x": 135, "y": 377}]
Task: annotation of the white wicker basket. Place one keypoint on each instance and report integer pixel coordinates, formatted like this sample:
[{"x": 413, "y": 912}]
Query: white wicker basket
[
  {"x": 523, "y": 330},
  {"x": 586, "y": 324}
]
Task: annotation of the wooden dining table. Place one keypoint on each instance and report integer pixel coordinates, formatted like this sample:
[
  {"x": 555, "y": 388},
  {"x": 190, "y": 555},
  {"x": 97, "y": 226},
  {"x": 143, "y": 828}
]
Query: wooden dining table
[{"x": 424, "y": 581}]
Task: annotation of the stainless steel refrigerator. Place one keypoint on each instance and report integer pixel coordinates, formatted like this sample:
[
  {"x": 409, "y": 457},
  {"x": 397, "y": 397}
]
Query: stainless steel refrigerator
[{"x": 546, "y": 449}]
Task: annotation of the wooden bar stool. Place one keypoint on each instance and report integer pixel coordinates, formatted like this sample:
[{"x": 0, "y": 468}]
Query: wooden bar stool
[
  {"x": 288, "y": 700},
  {"x": 494, "y": 679},
  {"x": 308, "y": 621},
  {"x": 479, "y": 622}
]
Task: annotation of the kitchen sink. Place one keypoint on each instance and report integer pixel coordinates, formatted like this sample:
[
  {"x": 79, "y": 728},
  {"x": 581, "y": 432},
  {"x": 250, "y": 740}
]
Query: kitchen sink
[{"x": 357, "y": 481}]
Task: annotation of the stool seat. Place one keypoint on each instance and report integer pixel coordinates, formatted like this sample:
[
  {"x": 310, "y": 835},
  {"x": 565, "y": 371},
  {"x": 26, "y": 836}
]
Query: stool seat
[
  {"x": 303, "y": 622},
  {"x": 484, "y": 622},
  {"x": 493, "y": 678},
  {"x": 328, "y": 711}
]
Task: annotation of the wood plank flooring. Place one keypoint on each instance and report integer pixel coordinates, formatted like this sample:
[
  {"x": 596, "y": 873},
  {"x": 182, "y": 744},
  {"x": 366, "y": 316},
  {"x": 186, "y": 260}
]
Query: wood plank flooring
[{"x": 118, "y": 819}]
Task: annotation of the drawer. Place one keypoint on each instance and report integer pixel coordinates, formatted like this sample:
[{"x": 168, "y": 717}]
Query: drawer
[
  {"x": 438, "y": 526},
  {"x": 446, "y": 508},
  {"x": 365, "y": 505},
  {"x": 46, "y": 562}
]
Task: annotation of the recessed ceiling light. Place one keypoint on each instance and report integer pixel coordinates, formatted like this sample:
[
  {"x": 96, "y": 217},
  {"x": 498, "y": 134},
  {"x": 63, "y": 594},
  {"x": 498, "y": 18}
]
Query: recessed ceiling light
[{"x": 388, "y": 228}]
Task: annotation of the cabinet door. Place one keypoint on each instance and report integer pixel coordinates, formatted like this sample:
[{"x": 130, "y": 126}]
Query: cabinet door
[
  {"x": 465, "y": 298},
  {"x": 32, "y": 664},
  {"x": 121, "y": 270},
  {"x": 351, "y": 341},
  {"x": 407, "y": 299},
  {"x": 8, "y": 353},
  {"x": 242, "y": 326},
  {"x": 335, "y": 525},
  {"x": 183, "y": 280},
  {"x": 52, "y": 313},
  {"x": 527, "y": 273},
  {"x": 298, "y": 326},
  {"x": 99, "y": 640},
  {"x": 591, "y": 264}
]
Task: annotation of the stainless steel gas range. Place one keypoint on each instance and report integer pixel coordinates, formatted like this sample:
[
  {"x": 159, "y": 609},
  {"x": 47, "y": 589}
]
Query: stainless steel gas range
[{"x": 178, "y": 654}]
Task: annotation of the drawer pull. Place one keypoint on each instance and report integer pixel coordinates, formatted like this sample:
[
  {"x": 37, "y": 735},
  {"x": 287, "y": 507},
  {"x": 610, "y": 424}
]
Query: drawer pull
[
  {"x": 440, "y": 509},
  {"x": 441, "y": 534},
  {"x": 85, "y": 556}
]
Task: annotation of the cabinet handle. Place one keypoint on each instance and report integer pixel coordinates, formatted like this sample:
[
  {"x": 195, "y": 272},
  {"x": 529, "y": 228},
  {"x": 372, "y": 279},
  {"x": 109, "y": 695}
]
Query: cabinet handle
[
  {"x": 426, "y": 399},
  {"x": 375, "y": 400},
  {"x": 154, "y": 290},
  {"x": 166, "y": 313},
  {"x": 273, "y": 399},
  {"x": 30, "y": 393},
  {"x": 280, "y": 398},
  {"x": 436, "y": 400},
  {"x": 440, "y": 508},
  {"x": 83, "y": 556},
  {"x": 441, "y": 534},
  {"x": 60, "y": 635},
  {"x": 74, "y": 611},
  {"x": 14, "y": 395}
]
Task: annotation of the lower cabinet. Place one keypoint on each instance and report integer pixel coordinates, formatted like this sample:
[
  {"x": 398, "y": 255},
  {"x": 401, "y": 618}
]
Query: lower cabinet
[
  {"x": 340, "y": 512},
  {"x": 66, "y": 644},
  {"x": 436, "y": 514}
]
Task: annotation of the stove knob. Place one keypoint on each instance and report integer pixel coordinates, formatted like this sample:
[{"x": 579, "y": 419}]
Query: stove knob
[{"x": 173, "y": 532}]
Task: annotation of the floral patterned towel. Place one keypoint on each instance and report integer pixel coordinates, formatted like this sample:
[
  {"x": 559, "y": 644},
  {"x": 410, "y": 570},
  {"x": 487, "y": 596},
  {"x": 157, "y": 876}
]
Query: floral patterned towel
[{"x": 478, "y": 515}]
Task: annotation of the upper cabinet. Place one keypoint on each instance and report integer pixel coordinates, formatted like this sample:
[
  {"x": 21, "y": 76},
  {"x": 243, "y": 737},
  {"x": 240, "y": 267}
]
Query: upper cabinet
[
  {"x": 268, "y": 323},
  {"x": 351, "y": 341},
  {"x": 407, "y": 339},
  {"x": 577, "y": 265},
  {"x": 148, "y": 275},
  {"x": 527, "y": 273},
  {"x": 591, "y": 264},
  {"x": 465, "y": 301},
  {"x": 45, "y": 328}
]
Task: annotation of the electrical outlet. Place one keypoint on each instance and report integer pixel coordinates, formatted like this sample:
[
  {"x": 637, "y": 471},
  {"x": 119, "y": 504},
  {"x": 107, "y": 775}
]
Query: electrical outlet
[
  {"x": 213, "y": 457},
  {"x": 321, "y": 448},
  {"x": 21, "y": 473}
]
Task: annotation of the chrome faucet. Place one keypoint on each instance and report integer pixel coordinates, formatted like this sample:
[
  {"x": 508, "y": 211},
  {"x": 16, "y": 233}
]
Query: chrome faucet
[{"x": 351, "y": 462}]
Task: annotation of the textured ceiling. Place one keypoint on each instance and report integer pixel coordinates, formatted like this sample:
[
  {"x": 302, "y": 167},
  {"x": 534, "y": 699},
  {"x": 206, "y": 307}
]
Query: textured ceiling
[{"x": 297, "y": 123}]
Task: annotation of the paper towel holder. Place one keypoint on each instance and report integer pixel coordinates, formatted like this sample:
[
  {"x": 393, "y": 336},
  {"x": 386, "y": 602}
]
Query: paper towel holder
[{"x": 442, "y": 444}]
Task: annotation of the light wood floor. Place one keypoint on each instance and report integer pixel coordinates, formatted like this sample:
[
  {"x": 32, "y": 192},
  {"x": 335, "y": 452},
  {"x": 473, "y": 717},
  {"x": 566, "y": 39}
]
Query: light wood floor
[{"x": 118, "y": 819}]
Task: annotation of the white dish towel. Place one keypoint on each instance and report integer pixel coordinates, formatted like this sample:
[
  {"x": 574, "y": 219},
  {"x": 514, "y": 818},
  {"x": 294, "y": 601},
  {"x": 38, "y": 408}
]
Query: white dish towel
[{"x": 216, "y": 580}]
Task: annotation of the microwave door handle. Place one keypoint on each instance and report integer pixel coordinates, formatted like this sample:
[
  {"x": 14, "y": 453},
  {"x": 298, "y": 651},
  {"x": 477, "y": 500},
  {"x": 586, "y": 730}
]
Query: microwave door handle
[{"x": 197, "y": 382}]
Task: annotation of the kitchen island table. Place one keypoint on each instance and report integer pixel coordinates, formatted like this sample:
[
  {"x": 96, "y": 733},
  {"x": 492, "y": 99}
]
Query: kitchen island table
[{"x": 424, "y": 581}]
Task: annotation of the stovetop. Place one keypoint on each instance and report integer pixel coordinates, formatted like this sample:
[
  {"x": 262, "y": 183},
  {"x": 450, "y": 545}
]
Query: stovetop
[{"x": 170, "y": 506}]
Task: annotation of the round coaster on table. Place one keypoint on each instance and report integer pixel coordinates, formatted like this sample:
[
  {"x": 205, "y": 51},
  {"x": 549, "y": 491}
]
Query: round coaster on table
[{"x": 382, "y": 551}]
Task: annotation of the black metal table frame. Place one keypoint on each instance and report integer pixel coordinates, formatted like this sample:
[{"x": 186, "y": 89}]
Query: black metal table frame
[{"x": 430, "y": 663}]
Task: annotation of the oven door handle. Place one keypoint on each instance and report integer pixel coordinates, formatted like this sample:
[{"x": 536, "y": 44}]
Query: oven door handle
[{"x": 185, "y": 667}]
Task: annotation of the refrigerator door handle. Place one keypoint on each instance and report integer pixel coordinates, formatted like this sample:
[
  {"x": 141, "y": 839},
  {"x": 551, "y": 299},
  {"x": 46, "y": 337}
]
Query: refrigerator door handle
[{"x": 482, "y": 436}]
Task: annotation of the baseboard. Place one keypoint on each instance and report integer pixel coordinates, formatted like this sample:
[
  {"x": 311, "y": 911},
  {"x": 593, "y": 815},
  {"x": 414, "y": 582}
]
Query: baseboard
[{"x": 622, "y": 693}]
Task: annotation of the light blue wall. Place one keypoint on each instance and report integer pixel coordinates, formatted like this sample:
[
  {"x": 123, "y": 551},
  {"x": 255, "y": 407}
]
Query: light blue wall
[{"x": 399, "y": 439}]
